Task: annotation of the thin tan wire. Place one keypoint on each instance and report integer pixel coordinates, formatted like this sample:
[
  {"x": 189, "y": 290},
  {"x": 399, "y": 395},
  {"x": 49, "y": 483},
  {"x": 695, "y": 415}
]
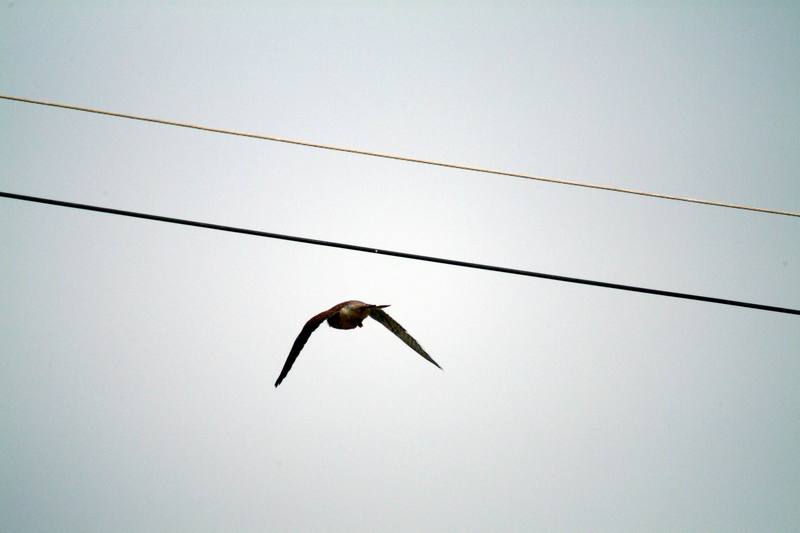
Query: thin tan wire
[{"x": 403, "y": 158}]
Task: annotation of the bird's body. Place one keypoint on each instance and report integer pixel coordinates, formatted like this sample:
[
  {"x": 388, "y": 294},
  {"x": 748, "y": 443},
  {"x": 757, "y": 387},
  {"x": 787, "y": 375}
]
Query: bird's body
[{"x": 350, "y": 315}]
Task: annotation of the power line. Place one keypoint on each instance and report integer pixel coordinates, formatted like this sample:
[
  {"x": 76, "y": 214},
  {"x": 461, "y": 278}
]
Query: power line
[
  {"x": 405, "y": 255},
  {"x": 403, "y": 158}
]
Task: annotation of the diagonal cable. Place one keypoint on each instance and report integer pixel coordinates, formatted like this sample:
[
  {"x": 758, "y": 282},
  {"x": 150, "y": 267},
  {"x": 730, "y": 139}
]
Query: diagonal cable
[
  {"x": 403, "y": 158},
  {"x": 404, "y": 255}
]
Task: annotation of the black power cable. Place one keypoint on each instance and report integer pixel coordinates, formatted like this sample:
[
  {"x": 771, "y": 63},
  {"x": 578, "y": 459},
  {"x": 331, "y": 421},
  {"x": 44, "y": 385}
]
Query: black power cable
[{"x": 405, "y": 255}]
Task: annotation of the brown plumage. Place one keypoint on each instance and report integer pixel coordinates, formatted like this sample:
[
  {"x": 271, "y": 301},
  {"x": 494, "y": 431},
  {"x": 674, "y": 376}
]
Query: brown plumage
[{"x": 349, "y": 315}]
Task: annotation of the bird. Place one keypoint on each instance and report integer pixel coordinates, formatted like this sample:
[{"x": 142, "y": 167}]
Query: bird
[{"x": 350, "y": 315}]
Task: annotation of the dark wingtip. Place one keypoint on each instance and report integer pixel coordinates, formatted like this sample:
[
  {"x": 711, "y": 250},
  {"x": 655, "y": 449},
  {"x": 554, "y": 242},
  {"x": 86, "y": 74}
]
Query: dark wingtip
[{"x": 430, "y": 360}]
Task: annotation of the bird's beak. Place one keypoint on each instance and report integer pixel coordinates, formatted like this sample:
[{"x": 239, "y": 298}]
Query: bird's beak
[{"x": 382, "y": 306}]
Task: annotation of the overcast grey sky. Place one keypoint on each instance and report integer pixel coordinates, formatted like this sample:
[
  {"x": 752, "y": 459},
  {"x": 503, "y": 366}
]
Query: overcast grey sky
[{"x": 138, "y": 358}]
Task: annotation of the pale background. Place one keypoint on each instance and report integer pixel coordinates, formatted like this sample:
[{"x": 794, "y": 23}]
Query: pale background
[{"x": 138, "y": 358}]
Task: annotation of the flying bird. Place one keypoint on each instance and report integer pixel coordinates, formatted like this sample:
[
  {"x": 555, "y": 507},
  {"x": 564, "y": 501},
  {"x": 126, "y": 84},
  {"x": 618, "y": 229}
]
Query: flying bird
[{"x": 349, "y": 315}]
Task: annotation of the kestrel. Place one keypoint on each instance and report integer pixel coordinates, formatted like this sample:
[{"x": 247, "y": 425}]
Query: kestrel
[{"x": 349, "y": 315}]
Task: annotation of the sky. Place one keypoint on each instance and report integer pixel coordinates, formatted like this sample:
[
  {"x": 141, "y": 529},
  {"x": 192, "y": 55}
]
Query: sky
[{"x": 138, "y": 358}]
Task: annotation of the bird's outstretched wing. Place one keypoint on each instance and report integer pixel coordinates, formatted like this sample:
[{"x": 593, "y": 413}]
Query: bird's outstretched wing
[
  {"x": 397, "y": 329},
  {"x": 302, "y": 338}
]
